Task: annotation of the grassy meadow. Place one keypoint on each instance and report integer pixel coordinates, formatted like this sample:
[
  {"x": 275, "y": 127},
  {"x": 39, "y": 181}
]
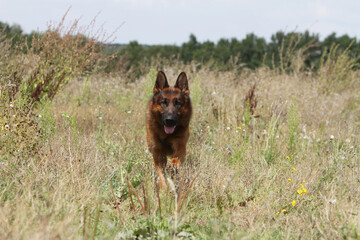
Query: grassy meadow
[{"x": 278, "y": 161}]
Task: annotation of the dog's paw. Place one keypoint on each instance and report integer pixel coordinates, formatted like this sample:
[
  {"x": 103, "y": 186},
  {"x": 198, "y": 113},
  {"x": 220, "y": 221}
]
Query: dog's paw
[
  {"x": 175, "y": 162},
  {"x": 173, "y": 167}
]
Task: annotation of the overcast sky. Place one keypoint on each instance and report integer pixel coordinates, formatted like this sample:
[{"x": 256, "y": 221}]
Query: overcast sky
[{"x": 172, "y": 21}]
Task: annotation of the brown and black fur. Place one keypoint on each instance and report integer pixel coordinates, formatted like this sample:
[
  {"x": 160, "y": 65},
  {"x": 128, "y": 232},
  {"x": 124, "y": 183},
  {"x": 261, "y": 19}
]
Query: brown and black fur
[{"x": 168, "y": 107}]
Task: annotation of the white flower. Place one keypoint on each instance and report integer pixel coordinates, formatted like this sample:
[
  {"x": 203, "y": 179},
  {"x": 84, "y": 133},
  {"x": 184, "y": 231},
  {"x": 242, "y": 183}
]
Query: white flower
[
  {"x": 228, "y": 128},
  {"x": 347, "y": 140},
  {"x": 100, "y": 118},
  {"x": 332, "y": 137},
  {"x": 40, "y": 116}
]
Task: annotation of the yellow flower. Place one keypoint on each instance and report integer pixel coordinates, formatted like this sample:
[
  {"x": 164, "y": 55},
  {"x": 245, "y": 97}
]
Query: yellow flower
[
  {"x": 239, "y": 127},
  {"x": 278, "y": 213},
  {"x": 284, "y": 210},
  {"x": 302, "y": 190},
  {"x": 293, "y": 203},
  {"x": 287, "y": 157},
  {"x": 294, "y": 169},
  {"x": 289, "y": 179}
]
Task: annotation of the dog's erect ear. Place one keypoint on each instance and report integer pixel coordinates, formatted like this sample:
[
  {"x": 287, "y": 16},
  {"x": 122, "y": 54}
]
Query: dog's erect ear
[
  {"x": 182, "y": 83},
  {"x": 161, "y": 82}
]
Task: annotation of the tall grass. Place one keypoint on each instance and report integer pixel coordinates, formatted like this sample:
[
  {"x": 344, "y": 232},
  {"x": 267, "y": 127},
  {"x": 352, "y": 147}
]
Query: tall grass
[
  {"x": 287, "y": 169},
  {"x": 337, "y": 69}
]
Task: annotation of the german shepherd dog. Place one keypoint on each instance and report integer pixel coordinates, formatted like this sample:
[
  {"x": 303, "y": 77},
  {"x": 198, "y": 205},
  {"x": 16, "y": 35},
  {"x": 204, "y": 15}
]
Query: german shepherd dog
[{"x": 167, "y": 123}]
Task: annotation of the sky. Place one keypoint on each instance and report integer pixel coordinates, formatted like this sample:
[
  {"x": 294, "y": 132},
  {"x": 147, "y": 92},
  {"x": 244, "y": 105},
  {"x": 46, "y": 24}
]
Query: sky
[{"x": 172, "y": 21}]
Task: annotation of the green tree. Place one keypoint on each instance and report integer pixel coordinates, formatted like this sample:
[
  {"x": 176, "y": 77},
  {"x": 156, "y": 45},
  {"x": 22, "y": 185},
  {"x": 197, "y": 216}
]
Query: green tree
[
  {"x": 253, "y": 50},
  {"x": 188, "y": 49}
]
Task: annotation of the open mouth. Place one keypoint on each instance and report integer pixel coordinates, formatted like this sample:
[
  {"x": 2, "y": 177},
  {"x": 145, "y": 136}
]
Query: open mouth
[{"x": 169, "y": 130}]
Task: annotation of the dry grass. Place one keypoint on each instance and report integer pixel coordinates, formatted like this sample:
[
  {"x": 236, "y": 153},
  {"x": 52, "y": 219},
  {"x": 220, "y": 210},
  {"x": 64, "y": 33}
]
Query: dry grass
[{"x": 248, "y": 176}]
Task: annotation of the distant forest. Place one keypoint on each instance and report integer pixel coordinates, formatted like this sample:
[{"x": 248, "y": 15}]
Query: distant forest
[{"x": 225, "y": 54}]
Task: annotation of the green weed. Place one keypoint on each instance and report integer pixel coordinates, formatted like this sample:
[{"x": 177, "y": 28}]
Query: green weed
[
  {"x": 270, "y": 151},
  {"x": 293, "y": 125}
]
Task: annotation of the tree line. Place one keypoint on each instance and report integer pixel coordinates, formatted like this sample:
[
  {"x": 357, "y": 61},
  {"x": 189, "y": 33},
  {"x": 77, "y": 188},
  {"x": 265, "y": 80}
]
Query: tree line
[
  {"x": 250, "y": 52},
  {"x": 225, "y": 54}
]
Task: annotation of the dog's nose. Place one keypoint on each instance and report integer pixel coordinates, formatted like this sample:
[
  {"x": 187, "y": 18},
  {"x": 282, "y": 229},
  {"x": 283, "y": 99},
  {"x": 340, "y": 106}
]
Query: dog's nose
[{"x": 169, "y": 122}]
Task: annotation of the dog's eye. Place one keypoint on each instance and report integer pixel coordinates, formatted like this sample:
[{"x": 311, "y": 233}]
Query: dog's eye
[
  {"x": 164, "y": 102},
  {"x": 177, "y": 102}
]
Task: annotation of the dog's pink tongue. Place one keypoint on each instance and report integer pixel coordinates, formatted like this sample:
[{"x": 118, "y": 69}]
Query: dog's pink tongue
[{"x": 169, "y": 130}]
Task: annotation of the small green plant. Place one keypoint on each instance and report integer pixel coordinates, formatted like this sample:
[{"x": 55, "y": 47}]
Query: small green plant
[
  {"x": 84, "y": 98},
  {"x": 196, "y": 92},
  {"x": 269, "y": 151},
  {"x": 148, "y": 85},
  {"x": 247, "y": 114},
  {"x": 237, "y": 155},
  {"x": 47, "y": 121},
  {"x": 237, "y": 152},
  {"x": 293, "y": 125},
  {"x": 71, "y": 124}
]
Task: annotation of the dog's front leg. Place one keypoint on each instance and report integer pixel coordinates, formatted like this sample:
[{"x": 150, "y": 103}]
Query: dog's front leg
[
  {"x": 160, "y": 164},
  {"x": 179, "y": 155}
]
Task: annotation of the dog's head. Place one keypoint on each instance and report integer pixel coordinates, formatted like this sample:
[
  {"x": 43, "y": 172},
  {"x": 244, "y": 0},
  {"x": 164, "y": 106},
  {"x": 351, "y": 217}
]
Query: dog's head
[{"x": 172, "y": 102}]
